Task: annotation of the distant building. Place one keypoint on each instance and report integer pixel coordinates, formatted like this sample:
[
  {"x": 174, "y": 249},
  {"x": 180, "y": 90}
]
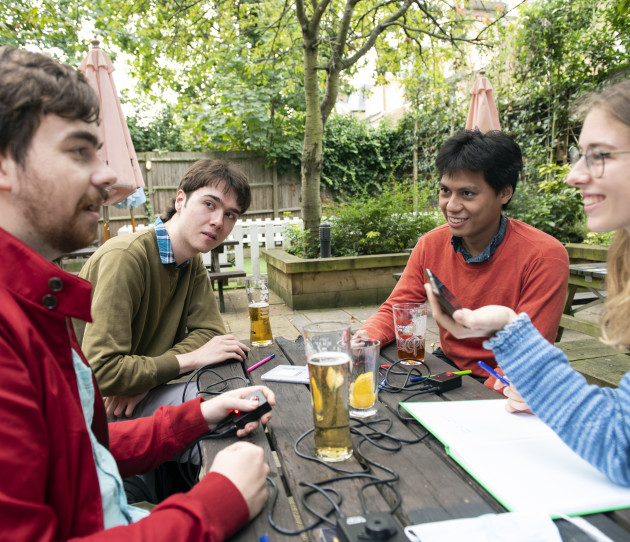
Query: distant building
[{"x": 375, "y": 102}]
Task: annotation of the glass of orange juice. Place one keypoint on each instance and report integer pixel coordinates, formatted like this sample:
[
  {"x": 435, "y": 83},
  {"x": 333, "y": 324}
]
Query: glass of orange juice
[{"x": 364, "y": 363}]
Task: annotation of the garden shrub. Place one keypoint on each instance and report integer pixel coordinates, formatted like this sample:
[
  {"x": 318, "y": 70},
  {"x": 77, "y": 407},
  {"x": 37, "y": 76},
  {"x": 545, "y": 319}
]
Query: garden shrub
[
  {"x": 380, "y": 224},
  {"x": 294, "y": 237},
  {"x": 555, "y": 207},
  {"x": 373, "y": 223},
  {"x": 357, "y": 156},
  {"x": 603, "y": 239}
]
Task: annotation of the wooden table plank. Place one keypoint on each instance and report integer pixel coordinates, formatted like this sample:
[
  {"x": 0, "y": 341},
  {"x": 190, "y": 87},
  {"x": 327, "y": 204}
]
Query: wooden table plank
[
  {"x": 292, "y": 416},
  {"x": 283, "y": 514},
  {"x": 600, "y": 364},
  {"x": 589, "y": 276},
  {"x": 431, "y": 484},
  {"x": 444, "y": 484}
]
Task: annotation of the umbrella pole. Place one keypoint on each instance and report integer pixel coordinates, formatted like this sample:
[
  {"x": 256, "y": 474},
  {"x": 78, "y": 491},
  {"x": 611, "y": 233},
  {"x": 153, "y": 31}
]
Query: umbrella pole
[
  {"x": 133, "y": 220},
  {"x": 106, "y": 233}
]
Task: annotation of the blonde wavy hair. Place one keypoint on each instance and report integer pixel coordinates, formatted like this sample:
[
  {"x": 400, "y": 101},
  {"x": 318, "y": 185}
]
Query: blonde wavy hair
[{"x": 615, "y": 100}]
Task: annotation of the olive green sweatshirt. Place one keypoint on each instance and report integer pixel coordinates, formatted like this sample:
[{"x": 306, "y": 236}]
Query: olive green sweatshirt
[{"x": 144, "y": 314}]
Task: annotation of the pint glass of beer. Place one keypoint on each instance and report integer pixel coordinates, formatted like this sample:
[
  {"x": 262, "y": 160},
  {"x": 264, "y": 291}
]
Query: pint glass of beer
[
  {"x": 327, "y": 346},
  {"x": 258, "y": 303},
  {"x": 410, "y": 323}
]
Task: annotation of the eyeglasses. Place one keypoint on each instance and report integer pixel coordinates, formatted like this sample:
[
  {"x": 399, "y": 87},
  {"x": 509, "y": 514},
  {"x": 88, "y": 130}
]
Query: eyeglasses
[{"x": 595, "y": 159}]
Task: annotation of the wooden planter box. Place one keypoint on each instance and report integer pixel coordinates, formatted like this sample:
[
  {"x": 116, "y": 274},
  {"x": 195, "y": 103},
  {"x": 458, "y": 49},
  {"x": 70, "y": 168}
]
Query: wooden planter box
[
  {"x": 332, "y": 282},
  {"x": 580, "y": 253}
]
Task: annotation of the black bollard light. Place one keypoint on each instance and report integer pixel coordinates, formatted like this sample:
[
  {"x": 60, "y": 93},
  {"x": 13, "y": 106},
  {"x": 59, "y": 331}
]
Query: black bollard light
[{"x": 324, "y": 240}]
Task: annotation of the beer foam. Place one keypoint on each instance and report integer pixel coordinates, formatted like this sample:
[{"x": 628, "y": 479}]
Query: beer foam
[{"x": 329, "y": 358}]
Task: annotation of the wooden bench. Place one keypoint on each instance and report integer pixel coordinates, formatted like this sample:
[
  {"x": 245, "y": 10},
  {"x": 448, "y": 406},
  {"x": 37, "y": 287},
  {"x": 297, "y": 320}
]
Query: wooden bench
[
  {"x": 600, "y": 364},
  {"x": 221, "y": 277}
]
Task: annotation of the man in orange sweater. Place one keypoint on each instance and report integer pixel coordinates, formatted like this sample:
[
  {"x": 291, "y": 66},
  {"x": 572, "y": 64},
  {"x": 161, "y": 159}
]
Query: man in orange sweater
[{"x": 481, "y": 256}]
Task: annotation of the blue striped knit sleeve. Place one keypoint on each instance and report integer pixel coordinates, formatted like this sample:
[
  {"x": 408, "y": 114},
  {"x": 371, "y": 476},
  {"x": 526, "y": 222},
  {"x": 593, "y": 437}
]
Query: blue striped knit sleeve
[{"x": 593, "y": 421}]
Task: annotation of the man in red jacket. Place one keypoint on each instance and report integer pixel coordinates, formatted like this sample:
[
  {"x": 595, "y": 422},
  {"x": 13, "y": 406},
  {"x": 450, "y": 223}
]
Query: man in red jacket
[
  {"x": 481, "y": 256},
  {"x": 61, "y": 466}
]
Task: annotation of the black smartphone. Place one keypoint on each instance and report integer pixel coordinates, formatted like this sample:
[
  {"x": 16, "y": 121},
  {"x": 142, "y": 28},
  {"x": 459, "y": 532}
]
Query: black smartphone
[{"x": 448, "y": 301}]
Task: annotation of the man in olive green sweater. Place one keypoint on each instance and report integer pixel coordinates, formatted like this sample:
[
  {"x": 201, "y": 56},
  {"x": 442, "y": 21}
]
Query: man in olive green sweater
[{"x": 154, "y": 313}]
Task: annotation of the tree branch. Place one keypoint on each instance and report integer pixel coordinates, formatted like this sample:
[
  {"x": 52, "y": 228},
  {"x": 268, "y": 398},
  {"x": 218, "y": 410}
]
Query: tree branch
[
  {"x": 495, "y": 21},
  {"x": 375, "y": 33}
]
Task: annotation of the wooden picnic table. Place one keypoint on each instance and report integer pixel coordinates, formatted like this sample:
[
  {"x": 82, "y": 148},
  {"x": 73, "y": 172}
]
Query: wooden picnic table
[
  {"x": 432, "y": 486},
  {"x": 592, "y": 278}
]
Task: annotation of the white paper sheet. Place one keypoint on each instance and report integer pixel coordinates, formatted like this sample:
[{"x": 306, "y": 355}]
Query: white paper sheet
[{"x": 519, "y": 459}]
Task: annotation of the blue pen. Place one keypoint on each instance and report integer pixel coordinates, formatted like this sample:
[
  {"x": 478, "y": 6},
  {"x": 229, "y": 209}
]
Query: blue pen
[
  {"x": 491, "y": 371},
  {"x": 264, "y": 538}
]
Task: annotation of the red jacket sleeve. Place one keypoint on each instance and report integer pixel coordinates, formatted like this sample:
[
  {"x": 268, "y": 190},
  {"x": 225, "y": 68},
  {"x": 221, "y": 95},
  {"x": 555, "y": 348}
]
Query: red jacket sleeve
[
  {"x": 141, "y": 445},
  {"x": 211, "y": 511}
]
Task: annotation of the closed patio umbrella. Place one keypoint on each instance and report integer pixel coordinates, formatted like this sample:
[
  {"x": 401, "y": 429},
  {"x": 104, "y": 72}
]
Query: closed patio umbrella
[
  {"x": 117, "y": 150},
  {"x": 483, "y": 114}
]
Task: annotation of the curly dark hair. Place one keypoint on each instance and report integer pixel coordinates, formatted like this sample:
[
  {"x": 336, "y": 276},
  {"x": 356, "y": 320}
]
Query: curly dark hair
[{"x": 33, "y": 85}]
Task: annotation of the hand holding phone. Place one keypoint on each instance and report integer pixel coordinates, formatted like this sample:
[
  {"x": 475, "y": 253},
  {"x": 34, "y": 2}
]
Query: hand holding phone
[{"x": 447, "y": 300}]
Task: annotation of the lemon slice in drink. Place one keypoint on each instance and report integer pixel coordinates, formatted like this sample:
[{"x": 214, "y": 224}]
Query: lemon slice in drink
[
  {"x": 317, "y": 396},
  {"x": 363, "y": 391}
]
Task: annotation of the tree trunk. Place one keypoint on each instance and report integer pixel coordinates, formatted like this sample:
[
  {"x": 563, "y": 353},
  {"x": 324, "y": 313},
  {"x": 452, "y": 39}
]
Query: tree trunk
[{"x": 312, "y": 150}]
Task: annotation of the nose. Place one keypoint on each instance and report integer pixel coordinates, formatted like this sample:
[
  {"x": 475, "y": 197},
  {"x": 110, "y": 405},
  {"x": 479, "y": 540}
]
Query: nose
[
  {"x": 579, "y": 173},
  {"x": 216, "y": 218},
  {"x": 104, "y": 176},
  {"x": 453, "y": 204}
]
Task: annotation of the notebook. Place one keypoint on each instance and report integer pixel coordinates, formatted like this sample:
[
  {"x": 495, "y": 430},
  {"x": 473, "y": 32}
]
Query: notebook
[
  {"x": 519, "y": 459},
  {"x": 297, "y": 374}
]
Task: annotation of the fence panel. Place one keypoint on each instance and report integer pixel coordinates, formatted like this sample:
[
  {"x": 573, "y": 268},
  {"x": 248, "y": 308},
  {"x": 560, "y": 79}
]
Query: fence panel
[
  {"x": 272, "y": 194},
  {"x": 251, "y": 235}
]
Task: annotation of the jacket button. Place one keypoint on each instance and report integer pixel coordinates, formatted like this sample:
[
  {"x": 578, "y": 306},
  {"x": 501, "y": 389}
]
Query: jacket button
[
  {"x": 49, "y": 301},
  {"x": 55, "y": 284}
]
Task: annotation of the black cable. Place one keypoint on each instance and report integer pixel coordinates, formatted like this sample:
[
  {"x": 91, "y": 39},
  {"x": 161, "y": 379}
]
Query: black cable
[
  {"x": 375, "y": 434},
  {"x": 394, "y": 370},
  {"x": 186, "y": 469},
  {"x": 208, "y": 390},
  {"x": 290, "y": 532}
]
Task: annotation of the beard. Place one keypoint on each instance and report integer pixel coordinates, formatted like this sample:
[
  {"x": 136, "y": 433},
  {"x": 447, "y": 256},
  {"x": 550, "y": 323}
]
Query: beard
[
  {"x": 63, "y": 235},
  {"x": 72, "y": 235}
]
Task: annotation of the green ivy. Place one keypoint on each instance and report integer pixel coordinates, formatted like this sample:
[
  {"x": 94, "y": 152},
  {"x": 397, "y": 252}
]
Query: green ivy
[{"x": 357, "y": 157}]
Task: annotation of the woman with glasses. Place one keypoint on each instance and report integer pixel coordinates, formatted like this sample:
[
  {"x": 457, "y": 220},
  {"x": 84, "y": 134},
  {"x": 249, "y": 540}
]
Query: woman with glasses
[{"x": 593, "y": 421}]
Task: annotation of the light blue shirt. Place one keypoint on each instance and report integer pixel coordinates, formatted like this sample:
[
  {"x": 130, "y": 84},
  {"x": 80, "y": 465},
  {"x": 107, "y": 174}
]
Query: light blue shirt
[
  {"x": 116, "y": 510},
  {"x": 164, "y": 245}
]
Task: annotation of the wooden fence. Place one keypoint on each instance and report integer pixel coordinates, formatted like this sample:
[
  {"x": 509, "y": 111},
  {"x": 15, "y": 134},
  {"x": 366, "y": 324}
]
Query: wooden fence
[{"x": 272, "y": 194}]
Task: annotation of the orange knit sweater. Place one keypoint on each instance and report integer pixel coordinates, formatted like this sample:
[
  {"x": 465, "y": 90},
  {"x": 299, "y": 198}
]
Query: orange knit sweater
[{"x": 528, "y": 272}]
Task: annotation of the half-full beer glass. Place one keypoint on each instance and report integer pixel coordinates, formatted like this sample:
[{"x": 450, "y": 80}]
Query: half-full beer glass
[
  {"x": 410, "y": 323},
  {"x": 327, "y": 346},
  {"x": 258, "y": 304}
]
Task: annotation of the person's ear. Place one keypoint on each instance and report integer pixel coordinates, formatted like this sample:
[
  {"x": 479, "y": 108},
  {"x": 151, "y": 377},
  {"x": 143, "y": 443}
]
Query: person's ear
[
  {"x": 180, "y": 200},
  {"x": 506, "y": 194},
  {"x": 8, "y": 169}
]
